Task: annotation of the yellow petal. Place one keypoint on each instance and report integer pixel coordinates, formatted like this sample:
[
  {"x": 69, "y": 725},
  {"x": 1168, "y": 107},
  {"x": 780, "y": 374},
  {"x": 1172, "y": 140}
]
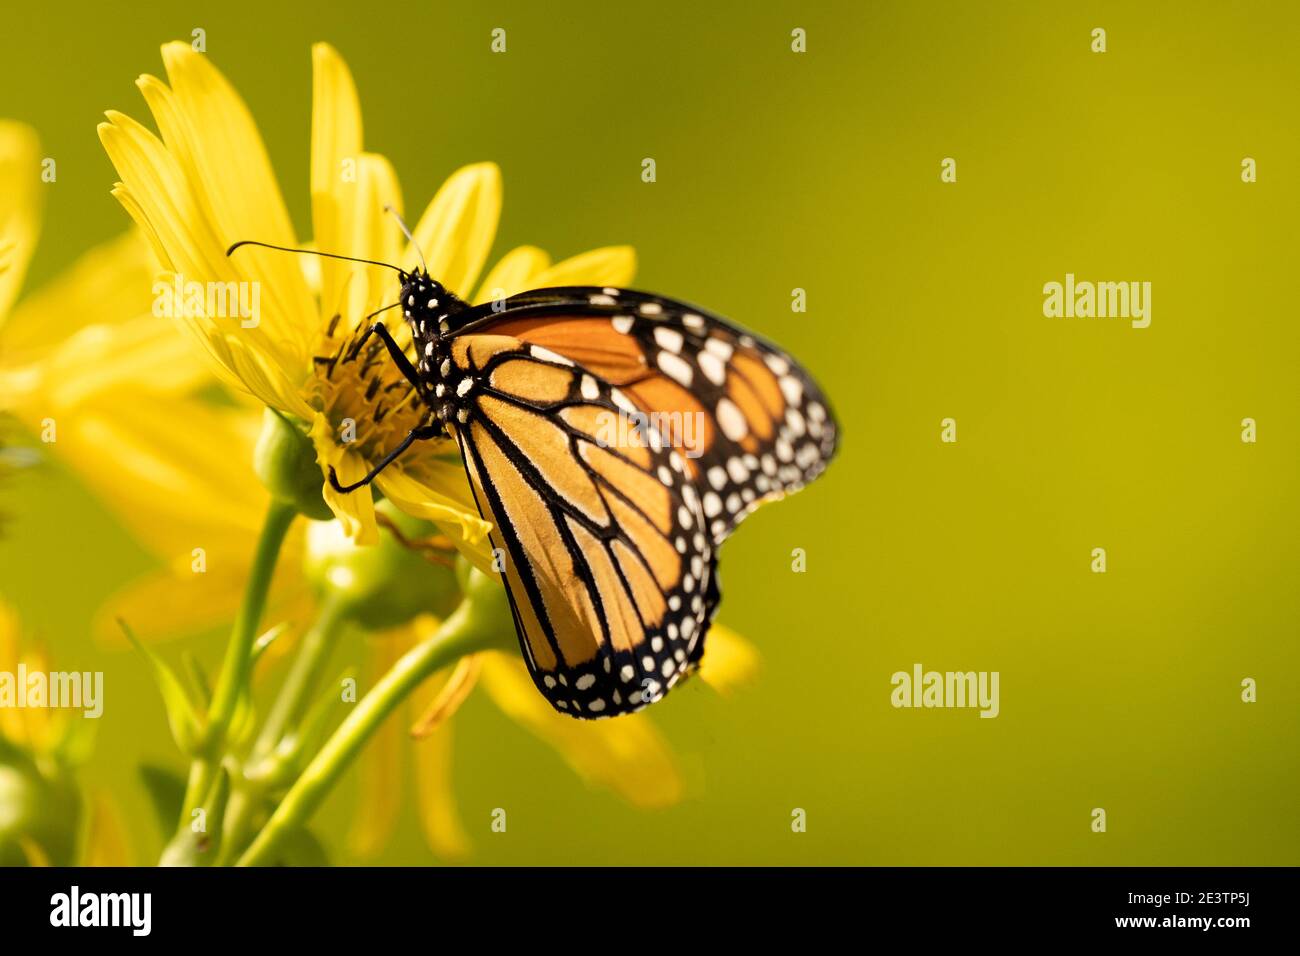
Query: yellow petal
[
  {"x": 609, "y": 266},
  {"x": 730, "y": 662},
  {"x": 250, "y": 364},
  {"x": 122, "y": 193},
  {"x": 435, "y": 801},
  {"x": 20, "y": 206},
  {"x": 106, "y": 839},
  {"x": 528, "y": 267},
  {"x": 111, "y": 283},
  {"x": 270, "y": 358},
  {"x": 265, "y": 360},
  {"x": 9, "y": 630},
  {"x": 456, "y": 231},
  {"x": 626, "y": 754},
  {"x": 213, "y": 135},
  {"x": 355, "y": 510},
  {"x": 374, "y": 235},
  {"x": 437, "y": 490},
  {"x": 177, "y": 472},
  {"x": 42, "y": 723},
  {"x": 380, "y": 766},
  {"x": 165, "y": 604},
  {"x": 164, "y": 199},
  {"x": 142, "y": 353},
  {"x": 514, "y": 273},
  {"x": 12, "y": 727},
  {"x": 335, "y": 152},
  {"x": 459, "y": 684},
  {"x": 175, "y": 602},
  {"x": 34, "y": 852}
]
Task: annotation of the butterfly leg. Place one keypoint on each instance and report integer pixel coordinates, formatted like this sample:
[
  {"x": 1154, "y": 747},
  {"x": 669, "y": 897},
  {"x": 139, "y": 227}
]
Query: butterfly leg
[
  {"x": 394, "y": 352},
  {"x": 419, "y": 433}
]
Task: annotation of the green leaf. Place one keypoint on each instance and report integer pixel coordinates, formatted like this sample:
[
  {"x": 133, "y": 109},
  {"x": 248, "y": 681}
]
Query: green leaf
[
  {"x": 166, "y": 790},
  {"x": 181, "y": 718},
  {"x": 266, "y": 640},
  {"x": 198, "y": 676}
]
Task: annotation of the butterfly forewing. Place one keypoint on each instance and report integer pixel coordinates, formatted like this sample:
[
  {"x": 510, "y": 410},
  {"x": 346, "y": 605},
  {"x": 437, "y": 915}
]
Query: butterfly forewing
[{"x": 750, "y": 422}]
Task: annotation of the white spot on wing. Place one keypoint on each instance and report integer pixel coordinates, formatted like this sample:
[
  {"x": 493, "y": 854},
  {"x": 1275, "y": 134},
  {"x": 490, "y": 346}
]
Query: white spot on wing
[
  {"x": 719, "y": 348},
  {"x": 712, "y": 367},
  {"x": 676, "y": 368},
  {"x": 731, "y": 420},
  {"x": 546, "y": 355},
  {"x": 668, "y": 338}
]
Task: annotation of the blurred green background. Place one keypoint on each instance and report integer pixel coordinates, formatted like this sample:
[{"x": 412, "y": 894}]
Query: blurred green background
[{"x": 820, "y": 171}]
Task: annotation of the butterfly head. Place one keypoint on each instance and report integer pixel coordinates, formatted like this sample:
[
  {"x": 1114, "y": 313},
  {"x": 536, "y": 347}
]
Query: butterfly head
[{"x": 427, "y": 304}]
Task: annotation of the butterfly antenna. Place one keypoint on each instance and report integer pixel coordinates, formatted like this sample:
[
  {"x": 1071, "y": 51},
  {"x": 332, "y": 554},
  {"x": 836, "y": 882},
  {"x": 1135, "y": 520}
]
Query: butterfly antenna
[
  {"x": 315, "y": 252},
  {"x": 377, "y": 311},
  {"x": 406, "y": 231}
]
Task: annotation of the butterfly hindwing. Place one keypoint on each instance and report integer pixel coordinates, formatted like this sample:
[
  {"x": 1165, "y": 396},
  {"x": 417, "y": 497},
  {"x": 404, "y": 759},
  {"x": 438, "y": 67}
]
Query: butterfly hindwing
[{"x": 609, "y": 568}]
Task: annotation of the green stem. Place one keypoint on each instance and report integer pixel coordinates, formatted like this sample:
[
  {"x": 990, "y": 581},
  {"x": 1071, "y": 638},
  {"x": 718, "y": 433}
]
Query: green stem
[
  {"x": 239, "y": 812},
  {"x": 234, "y": 671},
  {"x": 312, "y": 656},
  {"x": 304, "y": 674},
  {"x": 462, "y": 633}
]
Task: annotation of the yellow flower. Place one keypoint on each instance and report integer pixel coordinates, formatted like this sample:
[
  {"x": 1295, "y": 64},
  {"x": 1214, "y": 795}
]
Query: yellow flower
[
  {"x": 207, "y": 182},
  {"x": 179, "y": 488}
]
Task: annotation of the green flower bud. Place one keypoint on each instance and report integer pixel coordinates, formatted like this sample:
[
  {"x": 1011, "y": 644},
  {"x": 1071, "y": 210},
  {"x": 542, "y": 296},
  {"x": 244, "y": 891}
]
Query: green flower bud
[
  {"x": 285, "y": 460},
  {"x": 383, "y": 585},
  {"x": 41, "y": 811},
  {"x": 487, "y": 604}
]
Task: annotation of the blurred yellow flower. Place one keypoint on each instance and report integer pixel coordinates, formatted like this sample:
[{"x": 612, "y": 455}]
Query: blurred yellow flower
[
  {"x": 86, "y": 367},
  {"x": 194, "y": 195},
  {"x": 20, "y": 205}
]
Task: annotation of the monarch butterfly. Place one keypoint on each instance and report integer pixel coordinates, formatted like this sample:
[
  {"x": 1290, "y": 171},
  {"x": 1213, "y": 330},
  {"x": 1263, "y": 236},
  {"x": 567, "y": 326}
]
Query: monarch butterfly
[{"x": 558, "y": 399}]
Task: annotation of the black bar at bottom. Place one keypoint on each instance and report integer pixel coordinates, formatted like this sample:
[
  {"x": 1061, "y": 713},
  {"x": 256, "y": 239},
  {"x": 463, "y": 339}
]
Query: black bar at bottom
[{"x": 334, "y": 906}]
